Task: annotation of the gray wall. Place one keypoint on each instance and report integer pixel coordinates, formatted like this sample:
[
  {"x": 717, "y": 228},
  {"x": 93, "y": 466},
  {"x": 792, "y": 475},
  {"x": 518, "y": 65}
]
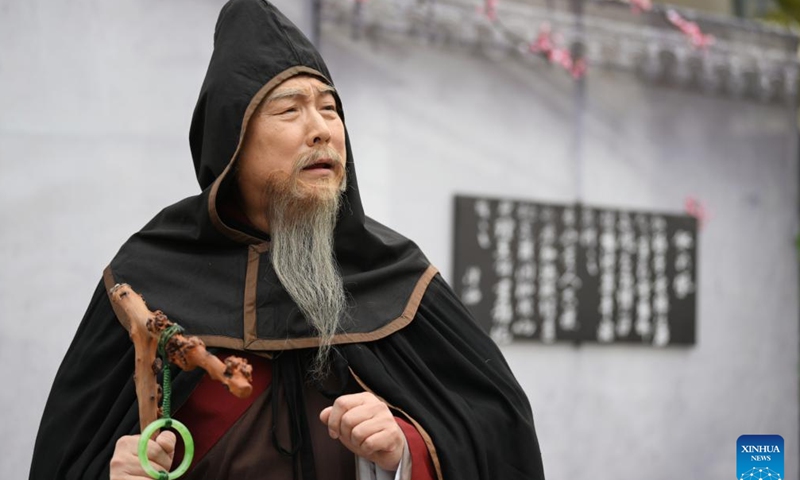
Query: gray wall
[
  {"x": 439, "y": 122},
  {"x": 95, "y": 105}
]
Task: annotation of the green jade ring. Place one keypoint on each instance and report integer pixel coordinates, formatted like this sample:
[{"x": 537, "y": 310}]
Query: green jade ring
[{"x": 187, "y": 442}]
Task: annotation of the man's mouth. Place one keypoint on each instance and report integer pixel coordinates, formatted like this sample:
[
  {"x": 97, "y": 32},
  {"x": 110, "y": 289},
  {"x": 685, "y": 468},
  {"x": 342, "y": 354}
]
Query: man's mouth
[{"x": 322, "y": 164}]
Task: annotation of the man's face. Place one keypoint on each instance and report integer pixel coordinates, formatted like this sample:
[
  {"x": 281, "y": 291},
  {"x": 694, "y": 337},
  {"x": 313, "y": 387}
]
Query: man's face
[
  {"x": 295, "y": 136},
  {"x": 291, "y": 174}
]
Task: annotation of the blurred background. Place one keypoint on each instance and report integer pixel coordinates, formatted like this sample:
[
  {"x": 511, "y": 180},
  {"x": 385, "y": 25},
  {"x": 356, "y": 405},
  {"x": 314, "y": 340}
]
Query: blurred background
[{"x": 688, "y": 109}]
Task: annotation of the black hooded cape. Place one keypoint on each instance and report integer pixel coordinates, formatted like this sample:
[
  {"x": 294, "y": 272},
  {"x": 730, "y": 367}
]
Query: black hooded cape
[{"x": 408, "y": 338}]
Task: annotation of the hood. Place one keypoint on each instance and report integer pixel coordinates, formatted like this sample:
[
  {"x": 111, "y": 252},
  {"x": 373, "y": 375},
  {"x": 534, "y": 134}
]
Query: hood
[
  {"x": 255, "y": 49},
  {"x": 216, "y": 279},
  {"x": 255, "y": 46}
]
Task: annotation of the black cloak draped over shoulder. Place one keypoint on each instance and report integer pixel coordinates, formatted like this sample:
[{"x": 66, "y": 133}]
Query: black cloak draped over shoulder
[{"x": 408, "y": 339}]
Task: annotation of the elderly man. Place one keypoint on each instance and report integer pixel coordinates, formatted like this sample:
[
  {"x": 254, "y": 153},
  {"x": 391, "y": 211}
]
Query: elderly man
[{"x": 365, "y": 362}]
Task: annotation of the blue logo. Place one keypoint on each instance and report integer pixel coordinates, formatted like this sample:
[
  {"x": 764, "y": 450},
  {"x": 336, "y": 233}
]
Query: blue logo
[{"x": 759, "y": 457}]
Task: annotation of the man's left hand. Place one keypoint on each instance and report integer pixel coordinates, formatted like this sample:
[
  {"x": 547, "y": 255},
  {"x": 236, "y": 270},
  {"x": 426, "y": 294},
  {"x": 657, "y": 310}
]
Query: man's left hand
[{"x": 367, "y": 428}]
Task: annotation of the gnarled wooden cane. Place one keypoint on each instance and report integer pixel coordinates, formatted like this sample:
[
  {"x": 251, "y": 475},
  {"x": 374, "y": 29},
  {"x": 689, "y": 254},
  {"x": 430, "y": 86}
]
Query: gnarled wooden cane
[{"x": 187, "y": 352}]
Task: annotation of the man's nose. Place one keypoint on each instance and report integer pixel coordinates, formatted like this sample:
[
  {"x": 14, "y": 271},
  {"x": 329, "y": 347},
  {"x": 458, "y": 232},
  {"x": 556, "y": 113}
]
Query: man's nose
[{"x": 319, "y": 132}]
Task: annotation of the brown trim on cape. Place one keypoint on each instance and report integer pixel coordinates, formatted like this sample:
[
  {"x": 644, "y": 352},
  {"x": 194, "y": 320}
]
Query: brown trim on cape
[
  {"x": 219, "y": 341},
  {"x": 308, "y": 342},
  {"x": 250, "y": 341},
  {"x": 250, "y": 288},
  {"x": 425, "y": 437},
  {"x": 216, "y": 220}
]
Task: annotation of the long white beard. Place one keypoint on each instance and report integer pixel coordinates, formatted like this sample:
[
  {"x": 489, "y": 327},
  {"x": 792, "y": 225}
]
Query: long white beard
[{"x": 302, "y": 218}]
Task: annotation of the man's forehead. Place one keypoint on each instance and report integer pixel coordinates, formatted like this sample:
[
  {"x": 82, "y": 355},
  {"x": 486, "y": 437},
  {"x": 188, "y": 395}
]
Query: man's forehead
[{"x": 299, "y": 86}]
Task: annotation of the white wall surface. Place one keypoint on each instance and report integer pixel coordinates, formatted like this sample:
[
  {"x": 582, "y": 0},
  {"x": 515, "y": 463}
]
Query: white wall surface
[
  {"x": 95, "y": 104},
  {"x": 444, "y": 122}
]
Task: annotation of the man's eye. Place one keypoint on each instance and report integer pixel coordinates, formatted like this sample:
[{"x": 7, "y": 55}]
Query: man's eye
[{"x": 329, "y": 107}]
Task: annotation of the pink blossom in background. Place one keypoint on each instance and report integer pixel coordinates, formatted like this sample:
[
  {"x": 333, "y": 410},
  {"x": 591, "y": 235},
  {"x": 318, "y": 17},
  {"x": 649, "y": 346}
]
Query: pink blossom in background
[
  {"x": 561, "y": 56},
  {"x": 690, "y": 29},
  {"x": 545, "y": 44},
  {"x": 639, "y": 6},
  {"x": 489, "y": 9},
  {"x": 578, "y": 69},
  {"x": 544, "y": 41},
  {"x": 697, "y": 209}
]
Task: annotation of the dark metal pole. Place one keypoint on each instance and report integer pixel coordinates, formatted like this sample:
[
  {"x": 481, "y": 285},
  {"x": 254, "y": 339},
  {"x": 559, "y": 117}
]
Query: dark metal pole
[
  {"x": 316, "y": 21},
  {"x": 738, "y": 8},
  {"x": 579, "y": 104}
]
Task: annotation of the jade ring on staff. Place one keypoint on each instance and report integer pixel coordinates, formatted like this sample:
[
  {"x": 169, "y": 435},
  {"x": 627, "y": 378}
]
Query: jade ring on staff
[{"x": 188, "y": 447}]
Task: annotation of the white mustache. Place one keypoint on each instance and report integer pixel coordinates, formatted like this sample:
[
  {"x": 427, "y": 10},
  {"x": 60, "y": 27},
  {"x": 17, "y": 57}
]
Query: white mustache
[{"x": 316, "y": 155}]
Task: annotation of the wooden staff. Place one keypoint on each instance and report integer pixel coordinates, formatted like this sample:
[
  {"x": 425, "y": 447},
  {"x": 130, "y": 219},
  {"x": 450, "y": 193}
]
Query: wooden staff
[{"x": 187, "y": 352}]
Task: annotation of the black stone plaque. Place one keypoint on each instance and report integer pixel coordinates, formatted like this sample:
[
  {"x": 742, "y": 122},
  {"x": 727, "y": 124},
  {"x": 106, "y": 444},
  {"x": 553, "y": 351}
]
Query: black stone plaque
[{"x": 548, "y": 272}]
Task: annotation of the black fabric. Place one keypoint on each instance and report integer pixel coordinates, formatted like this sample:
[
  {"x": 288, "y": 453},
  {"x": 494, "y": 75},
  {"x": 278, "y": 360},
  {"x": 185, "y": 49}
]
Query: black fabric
[
  {"x": 182, "y": 262},
  {"x": 93, "y": 399},
  {"x": 447, "y": 374},
  {"x": 289, "y": 375},
  {"x": 288, "y": 378},
  {"x": 441, "y": 368}
]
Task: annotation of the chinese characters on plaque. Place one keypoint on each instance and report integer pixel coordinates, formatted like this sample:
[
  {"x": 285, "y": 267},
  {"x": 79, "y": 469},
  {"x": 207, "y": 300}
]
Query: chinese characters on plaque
[{"x": 578, "y": 273}]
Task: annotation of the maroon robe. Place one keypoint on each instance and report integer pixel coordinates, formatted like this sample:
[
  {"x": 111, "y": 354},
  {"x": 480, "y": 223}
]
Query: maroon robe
[{"x": 233, "y": 439}]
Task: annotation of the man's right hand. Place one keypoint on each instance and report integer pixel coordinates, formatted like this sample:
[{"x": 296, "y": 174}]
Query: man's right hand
[{"x": 125, "y": 463}]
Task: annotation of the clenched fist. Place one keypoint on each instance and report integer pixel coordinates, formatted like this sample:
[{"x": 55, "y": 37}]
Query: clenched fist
[
  {"x": 125, "y": 463},
  {"x": 367, "y": 428}
]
